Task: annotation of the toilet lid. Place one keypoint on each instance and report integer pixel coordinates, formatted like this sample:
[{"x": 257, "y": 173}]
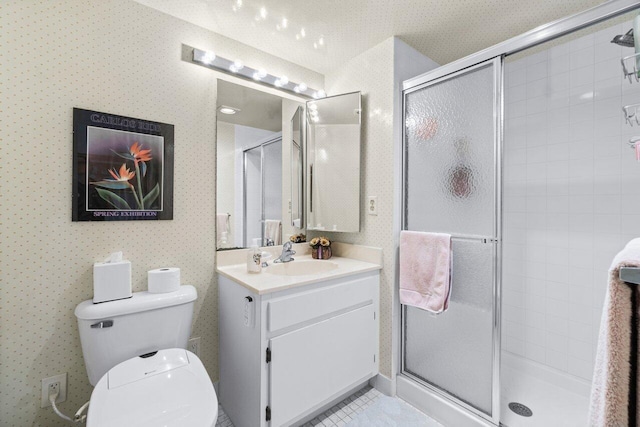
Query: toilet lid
[{"x": 170, "y": 388}]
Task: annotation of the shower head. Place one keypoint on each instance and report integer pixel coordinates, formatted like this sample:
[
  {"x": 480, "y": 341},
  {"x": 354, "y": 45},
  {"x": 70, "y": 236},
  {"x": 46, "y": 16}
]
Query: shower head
[{"x": 624, "y": 39}]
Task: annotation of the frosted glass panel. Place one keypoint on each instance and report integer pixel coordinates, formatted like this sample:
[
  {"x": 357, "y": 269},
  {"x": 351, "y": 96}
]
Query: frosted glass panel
[
  {"x": 454, "y": 350},
  {"x": 449, "y": 147},
  {"x": 450, "y": 187},
  {"x": 272, "y": 170}
]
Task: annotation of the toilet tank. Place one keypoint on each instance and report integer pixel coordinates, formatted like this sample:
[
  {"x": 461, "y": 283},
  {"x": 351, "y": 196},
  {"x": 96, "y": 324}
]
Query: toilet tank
[{"x": 112, "y": 332}]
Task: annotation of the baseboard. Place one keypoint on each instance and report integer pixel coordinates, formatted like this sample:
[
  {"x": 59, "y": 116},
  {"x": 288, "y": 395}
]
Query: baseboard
[
  {"x": 383, "y": 384},
  {"x": 440, "y": 409}
]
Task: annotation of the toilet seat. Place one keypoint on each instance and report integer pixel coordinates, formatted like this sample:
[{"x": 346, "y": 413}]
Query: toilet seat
[{"x": 169, "y": 388}]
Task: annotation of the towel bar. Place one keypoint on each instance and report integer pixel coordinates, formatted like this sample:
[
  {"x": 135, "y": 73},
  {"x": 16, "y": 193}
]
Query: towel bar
[{"x": 630, "y": 275}]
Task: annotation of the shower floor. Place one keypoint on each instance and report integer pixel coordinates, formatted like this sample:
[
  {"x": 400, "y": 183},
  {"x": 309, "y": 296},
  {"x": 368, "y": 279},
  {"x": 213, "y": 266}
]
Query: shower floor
[{"x": 551, "y": 404}]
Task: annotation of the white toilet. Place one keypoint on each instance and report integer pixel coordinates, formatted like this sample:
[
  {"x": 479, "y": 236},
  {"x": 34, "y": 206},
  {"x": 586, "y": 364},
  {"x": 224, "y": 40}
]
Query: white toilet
[{"x": 134, "y": 350}]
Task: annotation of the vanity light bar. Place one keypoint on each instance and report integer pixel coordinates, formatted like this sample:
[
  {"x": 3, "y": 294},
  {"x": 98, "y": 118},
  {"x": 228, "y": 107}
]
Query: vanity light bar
[{"x": 211, "y": 60}]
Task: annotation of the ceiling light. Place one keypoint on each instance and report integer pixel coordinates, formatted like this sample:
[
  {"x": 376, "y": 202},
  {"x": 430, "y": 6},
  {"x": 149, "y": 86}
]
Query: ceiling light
[
  {"x": 321, "y": 41},
  {"x": 284, "y": 80},
  {"x": 239, "y": 3},
  {"x": 284, "y": 22},
  {"x": 228, "y": 110},
  {"x": 315, "y": 45},
  {"x": 302, "y": 87},
  {"x": 297, "y": 36},
  {"x": 263, "y": 13},
  {"x": 302, "y": 33}
]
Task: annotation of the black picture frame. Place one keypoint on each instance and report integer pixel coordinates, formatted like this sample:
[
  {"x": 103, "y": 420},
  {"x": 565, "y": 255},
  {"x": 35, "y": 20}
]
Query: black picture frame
[{"x": 122, "y": 168}]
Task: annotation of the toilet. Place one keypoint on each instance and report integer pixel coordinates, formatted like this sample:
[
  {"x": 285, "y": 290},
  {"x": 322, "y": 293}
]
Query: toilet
[{"x": 134, "y": 351}]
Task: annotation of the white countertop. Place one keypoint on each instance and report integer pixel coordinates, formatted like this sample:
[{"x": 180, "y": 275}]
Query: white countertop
[{"x": 265, "y": 282}]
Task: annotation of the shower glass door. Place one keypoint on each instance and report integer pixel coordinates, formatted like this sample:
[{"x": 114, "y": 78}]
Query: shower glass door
[
  {"x": 451, "y": 185},
  {"x": 262, "y": 189}
]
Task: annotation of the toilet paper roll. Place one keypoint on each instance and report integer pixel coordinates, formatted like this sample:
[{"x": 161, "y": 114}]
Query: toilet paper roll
[{"x": 163, "y": 280}]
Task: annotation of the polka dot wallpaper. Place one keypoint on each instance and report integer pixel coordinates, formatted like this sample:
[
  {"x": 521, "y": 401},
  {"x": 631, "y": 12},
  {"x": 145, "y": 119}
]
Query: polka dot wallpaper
[
  {"x": 119, "y": 57},
  {"x": 372, "y": 73}
]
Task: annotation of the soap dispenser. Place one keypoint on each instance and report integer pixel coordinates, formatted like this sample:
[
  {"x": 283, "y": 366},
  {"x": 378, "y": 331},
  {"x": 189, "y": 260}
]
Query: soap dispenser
[{"x": 254, "y": 257}]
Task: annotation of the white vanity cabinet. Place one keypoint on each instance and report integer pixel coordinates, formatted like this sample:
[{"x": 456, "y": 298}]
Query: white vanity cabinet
[{"x": 286, "y": 354}]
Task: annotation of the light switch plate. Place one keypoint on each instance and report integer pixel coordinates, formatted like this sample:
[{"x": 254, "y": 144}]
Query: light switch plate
[{"x": 372, "y": 205}]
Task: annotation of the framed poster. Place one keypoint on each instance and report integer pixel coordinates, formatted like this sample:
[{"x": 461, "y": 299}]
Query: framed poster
[{"x": 122, "y": 168}]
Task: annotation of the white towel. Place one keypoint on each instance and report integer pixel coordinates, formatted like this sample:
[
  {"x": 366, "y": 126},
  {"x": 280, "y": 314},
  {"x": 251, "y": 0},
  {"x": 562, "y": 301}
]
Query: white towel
[
  {"x": 425, "y": 270},
  {"x": 610, "y": 387},
  {"x": 273, "y": 231},
  {"x": 222, "y": 228}
]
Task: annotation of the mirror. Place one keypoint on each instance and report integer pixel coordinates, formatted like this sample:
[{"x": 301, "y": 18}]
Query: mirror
[
  {"x": 254, "y": 167},
  {"x": 297, "y": 169},
  {"x": 333, "y": 163}
]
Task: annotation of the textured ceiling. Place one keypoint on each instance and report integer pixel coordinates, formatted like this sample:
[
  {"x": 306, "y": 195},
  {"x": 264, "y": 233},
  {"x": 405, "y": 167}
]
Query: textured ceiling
[{"x": 323, "y": 34}]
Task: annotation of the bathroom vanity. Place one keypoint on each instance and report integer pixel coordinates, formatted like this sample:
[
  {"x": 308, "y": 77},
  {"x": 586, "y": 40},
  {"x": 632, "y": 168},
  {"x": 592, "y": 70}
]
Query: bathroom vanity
[{"x": 296, "y": 337}]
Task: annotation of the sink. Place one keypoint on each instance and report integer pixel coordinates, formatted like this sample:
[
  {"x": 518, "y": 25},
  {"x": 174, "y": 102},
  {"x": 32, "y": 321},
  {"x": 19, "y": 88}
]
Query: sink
[{"x": 300, "y": 268}]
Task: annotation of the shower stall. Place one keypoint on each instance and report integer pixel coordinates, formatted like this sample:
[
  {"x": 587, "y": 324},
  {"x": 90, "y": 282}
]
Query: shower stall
[
  {"x": 521, "y": 153},
  {"x": 262, "y": 187}
]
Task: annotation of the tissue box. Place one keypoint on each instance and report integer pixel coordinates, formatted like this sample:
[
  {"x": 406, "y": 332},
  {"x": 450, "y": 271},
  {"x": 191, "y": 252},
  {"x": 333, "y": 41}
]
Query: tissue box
[{"x": 111, "y": 281}]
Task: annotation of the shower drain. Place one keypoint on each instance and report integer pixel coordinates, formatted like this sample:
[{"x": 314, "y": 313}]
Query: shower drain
[{"x": 520, "y": 409}]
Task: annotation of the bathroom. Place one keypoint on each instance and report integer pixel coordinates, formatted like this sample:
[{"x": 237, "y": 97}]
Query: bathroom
[{"x": 127, "y": 58}]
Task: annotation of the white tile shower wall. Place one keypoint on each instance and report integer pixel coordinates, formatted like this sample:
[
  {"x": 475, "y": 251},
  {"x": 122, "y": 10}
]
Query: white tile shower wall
[
  {"x": 571, "y": 202},
  {"x": 119, "y": 57}
]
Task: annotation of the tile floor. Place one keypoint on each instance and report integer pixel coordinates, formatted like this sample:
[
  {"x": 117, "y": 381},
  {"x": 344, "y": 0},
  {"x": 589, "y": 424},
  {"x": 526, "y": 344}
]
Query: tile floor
[{"x": 352, "y": 410}]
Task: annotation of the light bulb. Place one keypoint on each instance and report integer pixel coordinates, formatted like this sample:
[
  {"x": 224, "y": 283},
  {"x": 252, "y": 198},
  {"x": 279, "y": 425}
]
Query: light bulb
[
  {"x": 284, "y": 22},
  {"x": 302, "y": 32},
  {"x": 260, "y": 74},
  {"x": 209, "y": 57},
  {"x": 236, "y": 66},
  {"x": 302, "y": 87},
  {"x": 263, "y": 13},
  {"x": 284, "y": 80}
]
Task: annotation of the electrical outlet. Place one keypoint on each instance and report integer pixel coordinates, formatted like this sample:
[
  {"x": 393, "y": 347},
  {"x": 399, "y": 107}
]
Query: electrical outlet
[
  {"x": 194, "y": 346},
  {"x": 51, "y": 385},
  {"x": 372, "y": 205}
]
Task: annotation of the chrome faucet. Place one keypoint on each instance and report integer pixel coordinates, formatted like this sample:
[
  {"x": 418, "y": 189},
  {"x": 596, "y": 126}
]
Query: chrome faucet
[{"x": 286, "y": 253}]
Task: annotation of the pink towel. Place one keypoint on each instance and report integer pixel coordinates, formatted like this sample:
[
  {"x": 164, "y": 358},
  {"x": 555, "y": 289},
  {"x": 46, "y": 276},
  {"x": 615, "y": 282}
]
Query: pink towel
[
  {"x": 425, "y": 270},
  {"x": 610, "y": 387}
]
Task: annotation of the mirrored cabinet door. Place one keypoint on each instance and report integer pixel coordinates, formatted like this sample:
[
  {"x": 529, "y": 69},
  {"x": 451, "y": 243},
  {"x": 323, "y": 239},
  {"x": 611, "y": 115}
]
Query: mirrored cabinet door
[
  {"x": 333, "y": 163},
  {"x": 297, "y": 168}
]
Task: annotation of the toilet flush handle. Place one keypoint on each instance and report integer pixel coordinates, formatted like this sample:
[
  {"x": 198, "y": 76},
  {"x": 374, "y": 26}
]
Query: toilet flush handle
[{"x": 103, "y": 324}]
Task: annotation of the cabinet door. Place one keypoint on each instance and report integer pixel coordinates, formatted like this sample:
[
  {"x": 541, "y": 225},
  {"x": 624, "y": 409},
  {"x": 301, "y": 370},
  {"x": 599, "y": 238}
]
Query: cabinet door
[{"x": 313, "y": 364}]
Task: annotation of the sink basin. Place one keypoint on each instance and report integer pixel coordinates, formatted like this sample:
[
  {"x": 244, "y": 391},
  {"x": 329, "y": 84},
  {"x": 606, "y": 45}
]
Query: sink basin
[{"x": 300, "y": 268}]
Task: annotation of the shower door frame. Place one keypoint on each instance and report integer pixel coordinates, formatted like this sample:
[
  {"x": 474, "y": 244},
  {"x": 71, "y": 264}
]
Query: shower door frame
[
  {"x": 269, "y": 141},
  {"x": 498, "y": 80},
  {"x": 539, "y": 35}
]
